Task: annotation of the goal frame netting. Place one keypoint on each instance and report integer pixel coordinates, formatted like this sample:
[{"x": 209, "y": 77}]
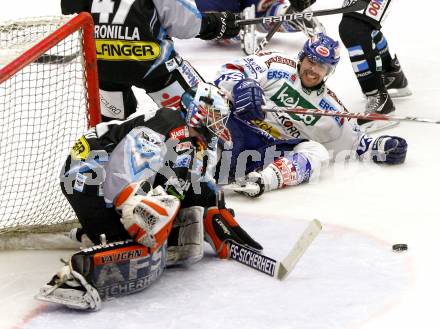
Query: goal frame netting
[{"x": 82, "y": 24}]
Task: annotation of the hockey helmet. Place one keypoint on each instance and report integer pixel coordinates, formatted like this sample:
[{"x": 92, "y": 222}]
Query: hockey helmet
[
  {"x": 321, "y": 49},
  {"x": 206, "y": 106}
]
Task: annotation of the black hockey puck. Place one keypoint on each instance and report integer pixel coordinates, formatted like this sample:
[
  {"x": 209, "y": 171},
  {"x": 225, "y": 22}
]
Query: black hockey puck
[{"x": 400, "y": 247}]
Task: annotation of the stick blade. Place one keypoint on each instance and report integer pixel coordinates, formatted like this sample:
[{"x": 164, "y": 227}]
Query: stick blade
[{"x": 289, "y": 262}]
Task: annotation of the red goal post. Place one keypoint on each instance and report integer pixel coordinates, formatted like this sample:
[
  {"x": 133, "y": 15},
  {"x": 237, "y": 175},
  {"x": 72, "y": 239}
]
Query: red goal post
[{"x": 49, "y": 96}]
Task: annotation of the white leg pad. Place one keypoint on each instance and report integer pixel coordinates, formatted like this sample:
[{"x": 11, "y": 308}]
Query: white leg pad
[{"x": 189, "y": 229}]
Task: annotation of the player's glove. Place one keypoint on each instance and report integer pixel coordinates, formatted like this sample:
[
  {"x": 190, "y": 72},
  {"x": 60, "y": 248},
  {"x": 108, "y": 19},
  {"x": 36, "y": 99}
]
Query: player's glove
[
  {"x": 148, "y": 218},
  {"x": 219, "y": 25},
  {"x": 248, "y": 97},
  {"x": 69, "y": 7},
  {"x": 300, "y": 5},
  {"x": 220, "y": 227},
  {"x": 389, "y": 149}
]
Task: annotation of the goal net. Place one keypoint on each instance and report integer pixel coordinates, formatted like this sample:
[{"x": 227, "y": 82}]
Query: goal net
[{"x": 48, "y": 98}]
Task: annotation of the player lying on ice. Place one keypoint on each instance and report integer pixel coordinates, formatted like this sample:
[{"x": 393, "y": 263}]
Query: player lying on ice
[
  {"x": 138, "y": 191},
  {"x": 278, "y": 80}
]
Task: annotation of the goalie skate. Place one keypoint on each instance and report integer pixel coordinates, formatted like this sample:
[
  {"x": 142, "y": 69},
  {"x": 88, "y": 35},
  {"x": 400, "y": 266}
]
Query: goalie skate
[{"x": 71, "y": 289}]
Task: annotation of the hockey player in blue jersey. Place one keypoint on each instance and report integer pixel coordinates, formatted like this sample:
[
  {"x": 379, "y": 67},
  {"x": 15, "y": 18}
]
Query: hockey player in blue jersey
[{"x": 277, "y": 80}]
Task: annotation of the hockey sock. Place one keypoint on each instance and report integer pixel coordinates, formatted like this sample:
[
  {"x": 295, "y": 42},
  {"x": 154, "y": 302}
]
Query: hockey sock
[{"x": 382, "y": 46}]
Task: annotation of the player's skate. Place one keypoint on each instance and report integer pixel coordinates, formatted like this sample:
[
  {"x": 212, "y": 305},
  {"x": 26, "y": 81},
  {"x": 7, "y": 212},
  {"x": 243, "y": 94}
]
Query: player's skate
[
  {"x": 310, "y": 27},
  {"x": 248, "y": 36},
  {"x": 378, "y": 101},
  {"x": 252, "y": 185},
  {"x": 395, "y": 80}
]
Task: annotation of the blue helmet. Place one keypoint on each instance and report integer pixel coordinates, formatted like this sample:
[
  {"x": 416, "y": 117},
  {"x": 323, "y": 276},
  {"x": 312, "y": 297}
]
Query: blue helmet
[{"x": 321, "y": 49}]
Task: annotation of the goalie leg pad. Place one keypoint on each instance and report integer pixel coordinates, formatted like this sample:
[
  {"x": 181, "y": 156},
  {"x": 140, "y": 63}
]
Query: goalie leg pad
[
  {"x": 105, "y": 272},
  {"x": 121, "y": 268},
  {"x": 185, "y": 243}
]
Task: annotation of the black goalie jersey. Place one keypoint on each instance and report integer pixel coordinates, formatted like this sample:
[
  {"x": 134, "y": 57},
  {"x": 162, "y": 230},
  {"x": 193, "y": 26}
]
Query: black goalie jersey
[{"x": 157, "y": 149}]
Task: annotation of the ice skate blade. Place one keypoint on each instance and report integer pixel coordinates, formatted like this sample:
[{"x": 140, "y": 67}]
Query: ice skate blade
[
  {"x": 399, "y": 92},
  {"x": 375, "y": 126}
]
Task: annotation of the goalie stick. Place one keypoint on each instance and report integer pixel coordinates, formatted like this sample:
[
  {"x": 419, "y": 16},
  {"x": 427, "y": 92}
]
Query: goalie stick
[
  {"x": 351, "y": 115},
  {"x": 353, "y": 6},
  {"x": 267, "y": 265}
]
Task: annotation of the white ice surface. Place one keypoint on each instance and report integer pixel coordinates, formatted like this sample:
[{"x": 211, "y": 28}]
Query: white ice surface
[{"x": 349, "y": 278}]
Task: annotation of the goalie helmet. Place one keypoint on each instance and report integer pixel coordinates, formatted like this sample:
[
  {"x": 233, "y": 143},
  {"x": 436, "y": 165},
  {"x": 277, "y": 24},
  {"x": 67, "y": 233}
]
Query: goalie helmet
[
  {"x": 321, "y": 49},
  {"x": 206, "y": 106}
]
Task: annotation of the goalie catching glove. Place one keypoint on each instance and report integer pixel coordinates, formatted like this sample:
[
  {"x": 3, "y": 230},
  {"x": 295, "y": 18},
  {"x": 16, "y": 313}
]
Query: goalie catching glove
[
  {"x": 221, "y": 227},
  {"x": 147, "y": 218}
]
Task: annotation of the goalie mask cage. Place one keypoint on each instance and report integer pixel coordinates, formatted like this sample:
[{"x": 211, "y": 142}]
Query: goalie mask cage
[{"x": 48, "y": 98}]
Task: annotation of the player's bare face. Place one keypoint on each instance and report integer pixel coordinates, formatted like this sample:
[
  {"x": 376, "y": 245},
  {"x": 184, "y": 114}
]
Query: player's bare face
[{"x": 312, "y": 73}]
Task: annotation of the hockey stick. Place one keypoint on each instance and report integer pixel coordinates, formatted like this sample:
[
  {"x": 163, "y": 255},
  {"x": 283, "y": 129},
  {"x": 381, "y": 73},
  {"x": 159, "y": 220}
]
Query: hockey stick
[
  {"x": 351, "y": 115},
  {"x": 56, "y": 59},
  {"x": 270, "y": 266},
  {"x": 270, "y": 34},
  {"x": 353, "y": 6}
]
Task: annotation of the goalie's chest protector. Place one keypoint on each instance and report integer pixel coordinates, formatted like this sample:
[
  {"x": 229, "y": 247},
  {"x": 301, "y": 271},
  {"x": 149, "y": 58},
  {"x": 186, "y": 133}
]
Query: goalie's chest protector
[
  {"x": 140, "y": 155},
  {"x": 121, "y": 152}
]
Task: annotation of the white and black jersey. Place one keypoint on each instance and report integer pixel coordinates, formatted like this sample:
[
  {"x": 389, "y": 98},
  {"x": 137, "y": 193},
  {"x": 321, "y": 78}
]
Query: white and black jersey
[
  {"x": 133, "y": 37},
  {"x": 375, "y": 13},
  {"x": 112, "y": 155},
  {"x": 134, "y": 47}
]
